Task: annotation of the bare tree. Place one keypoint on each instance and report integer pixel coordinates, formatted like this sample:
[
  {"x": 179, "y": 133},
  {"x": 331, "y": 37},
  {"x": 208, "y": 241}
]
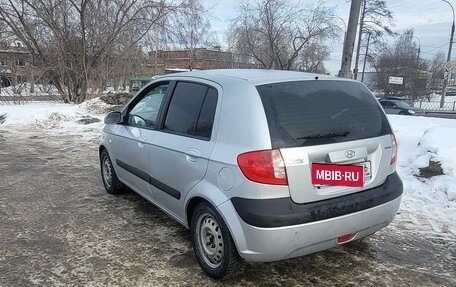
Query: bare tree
[
  {"x": 400, "y": 60},
  {"x": 437, "y": 70},
  {"x": 311, "y": 60},
  {"x": 191, "y": 28},
  {"x": 75, "y": 39},
  {"x": 276, "y": 32},
  {"x": 374, "y": 20}
]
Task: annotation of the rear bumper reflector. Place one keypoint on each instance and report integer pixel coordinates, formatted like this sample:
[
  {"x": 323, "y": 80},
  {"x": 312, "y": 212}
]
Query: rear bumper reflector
[{"x": 346, "y": 238}]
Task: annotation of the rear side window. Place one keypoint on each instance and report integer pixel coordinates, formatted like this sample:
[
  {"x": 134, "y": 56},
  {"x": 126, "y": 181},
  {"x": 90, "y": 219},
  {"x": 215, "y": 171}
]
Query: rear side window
[
  {"x": 317, "y": 112},
  {"x": 386, "y": 103},
  {"x": 191, "y": 110},
  {"x": 206, "y": 118}
]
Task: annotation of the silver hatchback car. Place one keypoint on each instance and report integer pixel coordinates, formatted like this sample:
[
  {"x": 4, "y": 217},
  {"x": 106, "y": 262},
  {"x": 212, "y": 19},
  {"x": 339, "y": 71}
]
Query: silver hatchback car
[{"x": 260, "y": 165}]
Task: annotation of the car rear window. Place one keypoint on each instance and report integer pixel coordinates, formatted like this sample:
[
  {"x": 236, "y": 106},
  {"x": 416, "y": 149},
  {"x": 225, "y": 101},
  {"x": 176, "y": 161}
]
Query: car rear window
[{"x": 306, "y": 113}]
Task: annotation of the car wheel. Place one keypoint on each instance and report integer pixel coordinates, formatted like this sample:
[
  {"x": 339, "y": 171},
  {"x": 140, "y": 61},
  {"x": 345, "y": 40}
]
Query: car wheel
[
  {"x": 213, "y": 245},
  {"x": 110, "y": 180},
  {"x": 402, "y": 113}
]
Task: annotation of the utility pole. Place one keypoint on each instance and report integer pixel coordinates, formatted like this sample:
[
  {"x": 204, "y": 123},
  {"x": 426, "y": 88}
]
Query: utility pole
[
  {"x": 349, "y": 43},
  {"x": 360, "y": 36},
  {"x": 447, "y": 73}
]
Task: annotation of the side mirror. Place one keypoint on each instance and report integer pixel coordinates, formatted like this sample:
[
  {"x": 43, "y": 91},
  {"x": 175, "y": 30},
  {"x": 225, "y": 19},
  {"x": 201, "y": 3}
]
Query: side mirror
[{"x": 113, "y": 118}]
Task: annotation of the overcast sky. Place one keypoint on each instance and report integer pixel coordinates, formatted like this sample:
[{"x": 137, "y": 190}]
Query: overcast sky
[{"x": 430, "y": 19}]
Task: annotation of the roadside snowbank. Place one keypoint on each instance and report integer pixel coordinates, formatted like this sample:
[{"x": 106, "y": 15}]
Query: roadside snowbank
[
  {"x": 55, "y": 115},
  {"x": 430, "y": 202}
]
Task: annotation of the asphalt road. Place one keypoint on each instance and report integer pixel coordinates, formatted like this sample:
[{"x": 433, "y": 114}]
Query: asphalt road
[
  {"x": 59, "y": 228},
  {"x": 441, "y": 115}
]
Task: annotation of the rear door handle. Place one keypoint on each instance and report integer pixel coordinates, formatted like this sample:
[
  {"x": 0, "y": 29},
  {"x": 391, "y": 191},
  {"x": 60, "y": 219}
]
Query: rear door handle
[{"x": 192, "y": 155}]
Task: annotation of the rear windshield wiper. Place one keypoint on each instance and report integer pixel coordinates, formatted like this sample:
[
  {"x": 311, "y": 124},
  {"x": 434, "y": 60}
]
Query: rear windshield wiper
[{"x": 332, "y": 134}]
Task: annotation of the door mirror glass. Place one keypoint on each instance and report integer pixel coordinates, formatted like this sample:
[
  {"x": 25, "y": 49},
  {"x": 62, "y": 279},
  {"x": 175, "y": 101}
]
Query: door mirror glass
[{"x": 113, "y": 118}]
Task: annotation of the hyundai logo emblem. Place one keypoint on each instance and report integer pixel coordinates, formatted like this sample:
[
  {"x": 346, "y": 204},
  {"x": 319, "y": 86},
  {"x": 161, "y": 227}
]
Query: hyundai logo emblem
[{"x": 349, "y": 153}]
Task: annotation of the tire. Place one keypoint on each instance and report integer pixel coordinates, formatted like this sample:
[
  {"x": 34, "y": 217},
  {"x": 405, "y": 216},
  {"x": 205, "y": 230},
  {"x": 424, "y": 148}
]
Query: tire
[
  {"x": 402, "y": 113},
  {"x": 108, "y": 174},
  {"x": 213, "y": 245}
]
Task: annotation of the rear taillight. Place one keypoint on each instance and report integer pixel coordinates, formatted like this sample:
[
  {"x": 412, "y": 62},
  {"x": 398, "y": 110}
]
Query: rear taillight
[
  {"x": 394, "y": 147},
  {"x": 265, "y": 166}
]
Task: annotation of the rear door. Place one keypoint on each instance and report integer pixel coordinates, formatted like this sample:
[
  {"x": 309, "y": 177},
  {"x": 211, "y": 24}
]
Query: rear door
[
  {"x": 319, "y": 123},
  {"x": 179, "y": 153}
]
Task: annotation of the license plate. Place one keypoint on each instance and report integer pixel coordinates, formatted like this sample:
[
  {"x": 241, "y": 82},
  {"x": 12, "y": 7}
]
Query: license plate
[
  {"x": 367, "y": 170},
  {"x": 339, "y": 175}
]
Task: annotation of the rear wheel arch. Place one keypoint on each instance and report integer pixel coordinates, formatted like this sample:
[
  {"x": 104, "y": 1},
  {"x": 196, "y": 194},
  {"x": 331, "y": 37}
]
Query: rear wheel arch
[{"x": 192, "y": 203}]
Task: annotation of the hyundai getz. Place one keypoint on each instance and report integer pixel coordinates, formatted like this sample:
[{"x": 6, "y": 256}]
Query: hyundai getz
[{"x": 260, "y": 165}]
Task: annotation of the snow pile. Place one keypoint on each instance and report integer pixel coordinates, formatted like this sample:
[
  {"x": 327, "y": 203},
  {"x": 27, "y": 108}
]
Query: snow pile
[
  {"x": 54, "y": 120},
  {"x": 35, "y": 112},
  {"x": 430, "y": 203},
  {"x": 51, "y": 115},
  {"x": 432, "y": 147},
  {"x": 95, "y": 107}
]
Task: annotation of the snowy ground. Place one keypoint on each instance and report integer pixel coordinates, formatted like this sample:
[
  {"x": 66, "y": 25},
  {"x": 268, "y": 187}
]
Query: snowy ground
[{"x": 429, "y": 201}]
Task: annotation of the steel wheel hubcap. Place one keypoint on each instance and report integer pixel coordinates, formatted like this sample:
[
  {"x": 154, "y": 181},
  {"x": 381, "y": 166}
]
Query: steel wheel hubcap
[
  {"x": 210, "y": 240},
  {"x": 107, "y": 172}
]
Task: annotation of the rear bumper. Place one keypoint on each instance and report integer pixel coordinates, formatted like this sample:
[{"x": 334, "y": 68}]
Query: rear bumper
[
  {"x": 284, "y": 212},
  {"x": 289, "y": 231}
]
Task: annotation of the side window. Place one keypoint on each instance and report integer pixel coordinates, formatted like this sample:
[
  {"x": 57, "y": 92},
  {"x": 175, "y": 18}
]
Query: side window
[
  {"x": 206, "y": 119},
  {"x": 191, "y": 110},
  {"x": 145, "y": 112}
]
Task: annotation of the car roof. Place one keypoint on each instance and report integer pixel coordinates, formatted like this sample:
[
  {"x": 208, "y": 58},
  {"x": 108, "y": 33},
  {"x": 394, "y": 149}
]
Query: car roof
[
  {"x": 258, "y": 76},
  {"x": 391, "y": 100}
]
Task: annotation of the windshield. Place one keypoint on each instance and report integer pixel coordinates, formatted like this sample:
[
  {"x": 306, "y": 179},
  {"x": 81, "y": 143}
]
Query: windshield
[{"x": 318, "y": 112}]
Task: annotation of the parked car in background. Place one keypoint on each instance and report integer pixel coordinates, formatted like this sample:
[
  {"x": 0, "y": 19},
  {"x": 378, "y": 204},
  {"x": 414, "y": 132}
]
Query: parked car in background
[
  {"x": 402, "y": 99},
  {"x": 260, "y": 165},
  {"x": 400, "y": 108}
]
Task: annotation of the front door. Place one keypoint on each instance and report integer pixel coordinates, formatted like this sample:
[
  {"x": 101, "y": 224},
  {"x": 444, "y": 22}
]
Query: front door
[{"x": 130, "y": 145}]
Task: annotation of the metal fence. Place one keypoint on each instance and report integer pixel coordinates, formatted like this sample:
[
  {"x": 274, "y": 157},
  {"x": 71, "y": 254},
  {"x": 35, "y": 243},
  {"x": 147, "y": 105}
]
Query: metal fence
[
  {"x": 435, "y": 106},
  {"x": 6, "y": 100}
]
